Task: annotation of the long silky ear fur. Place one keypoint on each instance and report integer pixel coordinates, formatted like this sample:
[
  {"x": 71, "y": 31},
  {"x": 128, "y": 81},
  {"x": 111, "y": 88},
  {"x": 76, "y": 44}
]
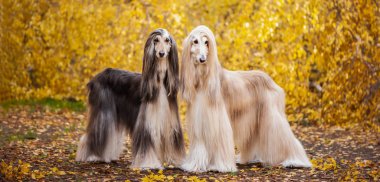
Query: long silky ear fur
[
  {"x": 214, "y": 85},
  {"x": 187, "y": 85},
  {"x": 171, "y": 79},
  {"x": 149, "y": 87}
]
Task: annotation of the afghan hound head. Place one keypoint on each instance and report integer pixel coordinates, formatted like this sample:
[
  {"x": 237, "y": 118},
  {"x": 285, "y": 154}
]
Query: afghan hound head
[
  {"x": 200, "y": 64},
  {"x": 160, "y": 48}
]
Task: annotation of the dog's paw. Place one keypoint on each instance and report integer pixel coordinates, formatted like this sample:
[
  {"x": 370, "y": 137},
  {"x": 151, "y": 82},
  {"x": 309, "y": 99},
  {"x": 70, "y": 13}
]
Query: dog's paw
[
  {"x": 255, "y": 160},
  {"x": 296, "y": 164},
  {"x": 151, "y": 168},
  {"x": 192, "y": 167},
  {"x": 146, "y": 166},
  {"x": 94, "y": 158},
  {"x": 223, "y": 169},
  {"x": 115, "y": 158},
  {"x": 238, "y": 159}
]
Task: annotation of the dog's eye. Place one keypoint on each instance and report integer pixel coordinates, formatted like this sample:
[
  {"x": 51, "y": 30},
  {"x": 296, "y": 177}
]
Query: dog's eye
[
  {"x": 155, "y": 40},
  {"x": 167, "y": 40},
  {"x": 195, "y": 41},
  {"x": 206, "y": 42}
]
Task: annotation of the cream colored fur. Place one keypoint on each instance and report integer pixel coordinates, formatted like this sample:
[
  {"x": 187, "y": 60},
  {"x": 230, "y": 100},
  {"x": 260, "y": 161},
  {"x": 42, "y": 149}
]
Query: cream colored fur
[{"x": 249, "y": 102}]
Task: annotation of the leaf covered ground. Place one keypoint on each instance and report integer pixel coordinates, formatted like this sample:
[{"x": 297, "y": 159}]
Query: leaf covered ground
[{"x": 38, "y": 142}]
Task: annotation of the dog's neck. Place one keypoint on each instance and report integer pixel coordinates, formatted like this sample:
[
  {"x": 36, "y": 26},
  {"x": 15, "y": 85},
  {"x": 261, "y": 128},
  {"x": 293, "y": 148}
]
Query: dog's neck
[
  {"x": 201, "y": 75},
  {"x": 162, "y": 67}
]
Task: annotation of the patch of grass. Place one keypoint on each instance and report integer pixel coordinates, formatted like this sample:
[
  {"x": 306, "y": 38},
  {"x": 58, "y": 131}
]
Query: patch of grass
[
  {"x": 71, "y": 128},
  {"x": 29, "y": 135},
  {"x": 54, "y": 104},
  {"x": 42, "y": 156},
  {"x": 233, "y": 173}
]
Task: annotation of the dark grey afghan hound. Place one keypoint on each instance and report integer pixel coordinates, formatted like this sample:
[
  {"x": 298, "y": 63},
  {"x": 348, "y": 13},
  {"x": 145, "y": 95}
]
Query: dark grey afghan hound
[{"x": 142, "y": 105}]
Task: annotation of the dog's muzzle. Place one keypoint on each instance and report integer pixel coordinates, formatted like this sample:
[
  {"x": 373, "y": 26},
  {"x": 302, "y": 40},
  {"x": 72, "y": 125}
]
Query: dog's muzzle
[
  {"x": 202, "y": 59},
  {"x": 162, "y": 54}
]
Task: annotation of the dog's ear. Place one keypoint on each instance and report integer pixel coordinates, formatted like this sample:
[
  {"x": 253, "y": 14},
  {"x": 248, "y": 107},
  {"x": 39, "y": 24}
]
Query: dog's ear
[
  {"x": 171, "y": 80},
  {"x": 149, "y": 54},
  {"x": 187, "y": 83},
  {"x": 149, "y": 88}
]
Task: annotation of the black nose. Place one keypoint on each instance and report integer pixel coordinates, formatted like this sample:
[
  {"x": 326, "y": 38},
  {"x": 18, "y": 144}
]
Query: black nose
[
  {"x": 202, "y": 59},
  {"x": 161, "y": 54}
]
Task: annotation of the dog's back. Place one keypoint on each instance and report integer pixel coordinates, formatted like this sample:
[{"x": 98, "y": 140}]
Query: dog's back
[
  {"x": 114, "y": 98},
  {"x": 243, "y": 90}
]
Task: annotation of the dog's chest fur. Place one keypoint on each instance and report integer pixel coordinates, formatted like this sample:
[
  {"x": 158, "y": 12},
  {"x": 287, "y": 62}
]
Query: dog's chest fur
[{"x": 158, "y": 112}]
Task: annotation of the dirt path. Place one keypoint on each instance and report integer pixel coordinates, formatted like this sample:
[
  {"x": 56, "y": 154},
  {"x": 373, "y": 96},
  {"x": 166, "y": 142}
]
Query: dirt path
[{"x": 41, "y": 144}]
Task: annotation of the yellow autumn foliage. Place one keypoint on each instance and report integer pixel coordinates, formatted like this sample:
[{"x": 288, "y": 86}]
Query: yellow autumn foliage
[
  {"x": 325, "y": 165},
  {"x": 15, "y": 170},
  {"x": 325, "y": 54}
]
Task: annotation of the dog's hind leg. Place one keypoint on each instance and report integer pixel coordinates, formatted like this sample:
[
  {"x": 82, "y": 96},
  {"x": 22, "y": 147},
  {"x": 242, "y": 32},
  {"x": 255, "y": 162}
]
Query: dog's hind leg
[
  {"x": 113, "y": 138},
  {"x": 276, "y": 141},
  {"x": 115, "y": 145},
  {"x": 101, "y": 141},
  {"x": 83, "y": 153},
  {"x": 120, "y": 144},
  {"x": 248, "y": 154},
  {"x": 244, "y": 137}
]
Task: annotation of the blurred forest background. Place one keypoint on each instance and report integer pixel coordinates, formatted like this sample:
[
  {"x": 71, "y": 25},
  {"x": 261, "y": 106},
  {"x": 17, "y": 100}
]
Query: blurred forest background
[{"x": 324, "y": 53}]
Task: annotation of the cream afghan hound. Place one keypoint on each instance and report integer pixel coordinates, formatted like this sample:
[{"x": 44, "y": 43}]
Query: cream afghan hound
[
  {"x": 226, "y": 107},
  {"x": 142, "y": 105}
]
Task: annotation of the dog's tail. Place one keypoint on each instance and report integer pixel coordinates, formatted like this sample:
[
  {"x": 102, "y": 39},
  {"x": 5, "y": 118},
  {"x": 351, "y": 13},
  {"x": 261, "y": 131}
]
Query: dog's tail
[{"x": 103, "y": 138}]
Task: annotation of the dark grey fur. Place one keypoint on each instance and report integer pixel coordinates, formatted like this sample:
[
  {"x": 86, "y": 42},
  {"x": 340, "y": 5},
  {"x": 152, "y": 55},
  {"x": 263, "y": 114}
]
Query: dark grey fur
[
  {"x": 142, "y": 140},
  {"x": 116, "y": 97}
]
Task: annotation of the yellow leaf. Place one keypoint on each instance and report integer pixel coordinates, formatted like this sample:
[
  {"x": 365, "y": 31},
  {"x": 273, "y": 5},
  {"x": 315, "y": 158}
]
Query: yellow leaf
[
  {"x": 25, "y": 168},
  {"x": 61, "y": 173},
  {"x": 40, "y": 175},
  {"x": 255, "y": 169},
  {"x": 71, "y": 172},
  {"x": 54, "y": 169}
]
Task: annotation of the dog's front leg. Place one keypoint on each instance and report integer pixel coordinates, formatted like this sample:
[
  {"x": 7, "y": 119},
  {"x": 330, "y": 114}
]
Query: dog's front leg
[
  {"x": 145, "y": 143},
  {"x": 198, "y": 158},
  {"x": 221, "y": 144},
  {"x": 148, "y": 161}
]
